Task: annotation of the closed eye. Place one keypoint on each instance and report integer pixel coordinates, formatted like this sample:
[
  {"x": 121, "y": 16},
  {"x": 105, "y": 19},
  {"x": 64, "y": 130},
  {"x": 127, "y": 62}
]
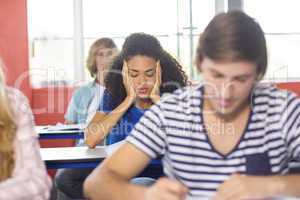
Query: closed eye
[
  {"x": 241, "y": 79},
  {"x": 217, "y": 75},
  {"x": 133, "y": 74},
  {"x": 150, "y": 73}
]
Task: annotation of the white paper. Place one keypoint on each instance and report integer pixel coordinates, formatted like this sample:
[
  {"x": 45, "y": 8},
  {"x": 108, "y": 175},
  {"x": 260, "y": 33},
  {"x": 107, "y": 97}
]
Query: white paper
[{"x": 60, "y": 127}]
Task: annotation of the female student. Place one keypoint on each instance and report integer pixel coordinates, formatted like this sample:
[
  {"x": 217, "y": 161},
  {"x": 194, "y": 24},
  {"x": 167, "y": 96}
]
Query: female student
[
  {"x": 142, "y": 82},
  {"x": 230, "y": 138},
  {"x": 141, "y": 73},
  {"x": 84, "y": 103},
  {"x": 22, "y": 172}
]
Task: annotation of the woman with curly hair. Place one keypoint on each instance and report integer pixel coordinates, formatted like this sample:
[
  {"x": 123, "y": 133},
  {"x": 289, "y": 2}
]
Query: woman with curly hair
[{"x": 139, "y": 75}]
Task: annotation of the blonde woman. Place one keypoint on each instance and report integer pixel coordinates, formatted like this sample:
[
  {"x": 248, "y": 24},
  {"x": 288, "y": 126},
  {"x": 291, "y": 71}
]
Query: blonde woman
[
  {"x": 86, "y": 99},
  {"x": 22, "y": 173}
]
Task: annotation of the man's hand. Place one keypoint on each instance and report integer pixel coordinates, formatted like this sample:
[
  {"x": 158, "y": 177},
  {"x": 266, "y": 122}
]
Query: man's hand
[{"x": 166, "y": 189}]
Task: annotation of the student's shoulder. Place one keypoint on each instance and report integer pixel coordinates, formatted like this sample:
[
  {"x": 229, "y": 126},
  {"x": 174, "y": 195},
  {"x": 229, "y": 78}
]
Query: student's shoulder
[
  {"x": 15, "y": 96},
  {"x": 83, "y": 90},
  {"x": 182, "y": 96},
  {"x": 22, "y": 114},
  {"x": 273, "y": 95},
  {"x": 18, "y": 102}
]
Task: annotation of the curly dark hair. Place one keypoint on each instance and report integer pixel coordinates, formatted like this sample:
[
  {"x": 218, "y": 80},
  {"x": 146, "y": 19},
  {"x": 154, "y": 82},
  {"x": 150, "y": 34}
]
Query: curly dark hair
[{"x": 173, "y": 77}]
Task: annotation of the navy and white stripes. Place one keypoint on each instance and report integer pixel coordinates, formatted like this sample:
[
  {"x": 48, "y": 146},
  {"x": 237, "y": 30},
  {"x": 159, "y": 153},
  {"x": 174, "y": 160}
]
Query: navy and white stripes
[{"x": 174, "y": 128}]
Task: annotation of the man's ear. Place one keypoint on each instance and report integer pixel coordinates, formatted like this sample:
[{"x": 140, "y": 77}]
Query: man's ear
[{"x": 198, "y": 63}]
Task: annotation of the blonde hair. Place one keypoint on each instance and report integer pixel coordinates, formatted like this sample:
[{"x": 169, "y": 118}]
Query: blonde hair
[
  {"x": 91, "y": 60},
  {"x": 7, "y": 131}
]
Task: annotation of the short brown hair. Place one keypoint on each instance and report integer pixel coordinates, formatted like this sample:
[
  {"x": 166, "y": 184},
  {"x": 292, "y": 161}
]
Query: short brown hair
[
  {"x": 234, "y": 36},
  {"x": 91, "y": 60}
]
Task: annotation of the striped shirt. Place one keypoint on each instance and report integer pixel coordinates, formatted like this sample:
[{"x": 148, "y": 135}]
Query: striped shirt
[{"x": 174, "y": 128}]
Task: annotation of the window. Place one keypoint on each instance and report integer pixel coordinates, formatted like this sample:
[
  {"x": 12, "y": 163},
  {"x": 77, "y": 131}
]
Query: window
[
  {"x": 51, "y": 31},
  {"x": 282, "y": 32},
  {"x": 202, "y": 12},
  {"x": 50, "y": 24},
  {"x": 168, "y": 20}
]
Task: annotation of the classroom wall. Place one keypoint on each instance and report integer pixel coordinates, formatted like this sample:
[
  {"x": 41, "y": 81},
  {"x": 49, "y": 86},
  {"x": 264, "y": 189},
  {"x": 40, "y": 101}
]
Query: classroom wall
[
  {"x": 292, "y": 86},
  {"x": 50, "y": 104},
  {"x": 14, "y": 43}
]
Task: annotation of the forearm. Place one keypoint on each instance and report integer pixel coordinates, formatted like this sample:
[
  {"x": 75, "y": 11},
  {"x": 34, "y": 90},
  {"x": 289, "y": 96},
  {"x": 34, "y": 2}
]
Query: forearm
[
  {"x": 98, "y": 129},
  {"x": 113, "y": 187},
  {"x": 288, "y": 185}
]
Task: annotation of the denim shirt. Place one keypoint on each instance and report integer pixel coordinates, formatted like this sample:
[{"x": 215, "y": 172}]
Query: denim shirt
[{"x": 77, "y": 111}]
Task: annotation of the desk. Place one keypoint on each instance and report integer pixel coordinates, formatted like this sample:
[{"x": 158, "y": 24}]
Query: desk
[
  {"x": 58, "y": 134},
  {"x": 72, "y": 157}
]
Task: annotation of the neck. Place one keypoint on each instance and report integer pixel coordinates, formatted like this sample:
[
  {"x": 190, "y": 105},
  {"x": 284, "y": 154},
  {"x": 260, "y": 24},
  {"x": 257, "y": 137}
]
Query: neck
[
  {"x": 143, "y": 103},
  {"x": 230, "y": 117},
  {"x": 100, "y": 79}
]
